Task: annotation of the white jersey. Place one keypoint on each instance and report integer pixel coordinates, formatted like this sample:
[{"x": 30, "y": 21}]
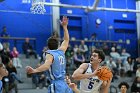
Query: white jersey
[{"x": 90, "y": 85}]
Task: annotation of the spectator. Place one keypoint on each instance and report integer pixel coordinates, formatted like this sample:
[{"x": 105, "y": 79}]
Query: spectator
[
  {"x": 135, "y": 88},
  {"x": 93, "y": 38},
  {"x": 7, "y": 52},
  {"x": 69, "y": 57},
  {"x": 84, "y": 49},
  {"x": 120, "y": 68},
  {"x": 5, "y": 34},
  {"x": 136, "y": 64},
  {"x": 114, "y": 45},
  {"x": 129, "y": 66},
  {"x": 43, "y": 55},
  {"x": 1, "y": 47},
  {"x": 3, "y": 72},
  {"x": 28, "y": 49},
  {"x": 105, "y": 48},
  {"x": 138, "y": 72},
  {"x": 15, "y": 58},
  {"x": 112, "y": 65},
  {"x": 79, "y": 58},
  {"x": 114, "y": 54},
  {"x": 12, "y": 72},
  {"x": 124, "y": 53},
  {"x": 69, "y": 52},
  {"x": 117, "y": 47},
  {"x": 75, "y": 49},
  {"x": 123, "y": 86},
  {"x": 9, "y": 81},
  {"x": 4, "y": 56}
]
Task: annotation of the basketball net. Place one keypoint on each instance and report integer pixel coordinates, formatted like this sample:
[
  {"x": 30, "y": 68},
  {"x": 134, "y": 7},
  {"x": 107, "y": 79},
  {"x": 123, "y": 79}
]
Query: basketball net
[{"x": 38, "y": 7}]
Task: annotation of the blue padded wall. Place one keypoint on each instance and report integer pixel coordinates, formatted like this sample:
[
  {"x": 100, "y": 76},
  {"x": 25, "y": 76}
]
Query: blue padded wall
[
  {"x": 82, "y": 24},
  {"x": 21, "y": 23},
  {"x": 127, "y": 30}
]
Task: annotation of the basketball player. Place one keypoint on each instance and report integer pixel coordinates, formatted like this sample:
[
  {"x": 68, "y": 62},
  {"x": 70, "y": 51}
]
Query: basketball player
[
  {"x": 86, "y": 73},
  {"x": 55, "y": 62}
]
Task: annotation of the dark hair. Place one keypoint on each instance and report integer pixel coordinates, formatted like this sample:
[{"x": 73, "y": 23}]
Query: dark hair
[
  {"x": 52, "y": 43},
  {"x": 129, "y": 58},
  {"x": 123, "y": 83},
  {"x": 135, "y": 80},
  {"x": 100, "y": 53}
]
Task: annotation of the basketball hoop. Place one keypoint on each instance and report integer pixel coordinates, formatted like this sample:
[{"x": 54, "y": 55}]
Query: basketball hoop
[{"x": 38, "y": 7}]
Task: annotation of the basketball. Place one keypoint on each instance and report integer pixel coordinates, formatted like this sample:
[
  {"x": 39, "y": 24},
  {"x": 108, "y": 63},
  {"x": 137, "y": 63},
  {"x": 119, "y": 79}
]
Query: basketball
[{"x": 104, "y": 73}]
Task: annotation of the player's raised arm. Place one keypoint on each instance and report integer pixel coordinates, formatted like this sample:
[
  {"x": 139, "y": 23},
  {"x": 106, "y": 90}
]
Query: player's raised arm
[
  {"x": 79, "y": 73},
  {"x": 65, "y": 43}
]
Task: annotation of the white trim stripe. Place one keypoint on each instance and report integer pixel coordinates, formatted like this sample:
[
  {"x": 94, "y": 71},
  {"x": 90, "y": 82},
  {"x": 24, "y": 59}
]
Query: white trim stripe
[
  {"x": 51, "y": 74},
  {"x": 52, "y": 88}
]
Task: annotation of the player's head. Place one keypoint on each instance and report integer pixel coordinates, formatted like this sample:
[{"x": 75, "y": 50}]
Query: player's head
[
  {"x": 53, "y": 43},
  {"x": 123, "y": 87},
  {"x": 3, "y": 71},
  {"x": 97, "y": 56}
]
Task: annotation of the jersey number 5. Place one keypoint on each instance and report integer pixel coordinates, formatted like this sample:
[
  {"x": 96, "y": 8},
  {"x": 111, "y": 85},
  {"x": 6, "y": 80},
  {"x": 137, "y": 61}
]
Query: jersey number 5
[{"x": 90, "y": 86}]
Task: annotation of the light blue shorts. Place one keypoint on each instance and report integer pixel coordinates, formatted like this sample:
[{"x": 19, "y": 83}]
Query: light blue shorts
[{"x": 59, "y": 86}]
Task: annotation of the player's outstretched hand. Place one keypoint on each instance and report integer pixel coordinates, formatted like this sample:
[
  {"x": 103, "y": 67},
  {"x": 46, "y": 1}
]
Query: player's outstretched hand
[
  {"x": 73, "y": 85},
  {"x": 64, "y": 21},
  {"x": 29, "y": 70}
]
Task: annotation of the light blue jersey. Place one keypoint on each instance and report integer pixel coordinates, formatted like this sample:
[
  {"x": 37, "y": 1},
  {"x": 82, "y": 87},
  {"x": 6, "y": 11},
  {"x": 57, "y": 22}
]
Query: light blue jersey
[
  {"x": 57, "y": 69},
  {"x": 0, "y": 86},
  {"x": 56, "y": 73}
]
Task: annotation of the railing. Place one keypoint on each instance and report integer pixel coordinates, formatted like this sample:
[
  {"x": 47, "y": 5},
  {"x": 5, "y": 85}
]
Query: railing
[
  {"x": 96, "y": 41},
  {"x": 100, "y": 41},
  {"x": 15, "y": 39}
]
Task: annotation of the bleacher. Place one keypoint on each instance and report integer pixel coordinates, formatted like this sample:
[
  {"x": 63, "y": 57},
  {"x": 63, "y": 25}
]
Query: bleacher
[{"x": 27, "y": 86}]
